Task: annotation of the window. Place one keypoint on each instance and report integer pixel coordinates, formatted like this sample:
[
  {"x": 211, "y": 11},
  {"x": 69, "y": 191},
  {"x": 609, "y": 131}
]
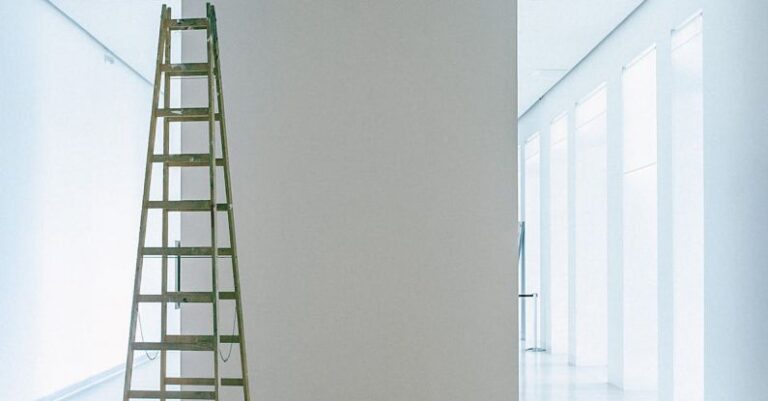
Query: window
[
  {"x": 640, "y": 316},
  {"x": 532, "y": 234},
  {"x": 589, "y": 287},
  {"x": 688, "y": 210},
  {"x": 558, "y": 221}
]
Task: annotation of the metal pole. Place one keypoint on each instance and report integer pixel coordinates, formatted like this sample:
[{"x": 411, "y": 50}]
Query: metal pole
[
  {"x": 536, "y": 347},
  {"x": 521, "y": 261}
]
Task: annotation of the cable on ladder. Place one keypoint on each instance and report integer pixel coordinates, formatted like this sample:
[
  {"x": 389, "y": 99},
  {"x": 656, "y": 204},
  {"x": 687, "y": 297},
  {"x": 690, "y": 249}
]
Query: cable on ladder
[
  {"x": 229, "y": 351},
  {"x": 141, "y": 334}
]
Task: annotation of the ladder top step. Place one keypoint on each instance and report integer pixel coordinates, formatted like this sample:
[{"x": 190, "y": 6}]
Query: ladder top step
[
  {"x": 186, "y": 160},
  {"x": 187, "y": 205},
  {"x": 187, "y": 395},
  {"x": 186, "y": 251},
  {"x": 188, "y": 23},
  {"x": 186, "y": 69}
]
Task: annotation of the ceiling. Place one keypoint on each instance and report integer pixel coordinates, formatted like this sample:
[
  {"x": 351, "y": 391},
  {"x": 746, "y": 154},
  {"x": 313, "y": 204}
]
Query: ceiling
[{"x": 553, "y": 35}]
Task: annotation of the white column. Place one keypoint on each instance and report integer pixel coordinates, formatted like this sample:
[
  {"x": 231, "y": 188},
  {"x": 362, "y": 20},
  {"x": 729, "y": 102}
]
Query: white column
[{"x": 735, "y": 199}]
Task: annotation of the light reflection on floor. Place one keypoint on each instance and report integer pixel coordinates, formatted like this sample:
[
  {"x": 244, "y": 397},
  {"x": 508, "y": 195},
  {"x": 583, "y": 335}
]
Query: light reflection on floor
[
  {"x": 543, "y": 377},
  {"x": 547, "y": 377}
]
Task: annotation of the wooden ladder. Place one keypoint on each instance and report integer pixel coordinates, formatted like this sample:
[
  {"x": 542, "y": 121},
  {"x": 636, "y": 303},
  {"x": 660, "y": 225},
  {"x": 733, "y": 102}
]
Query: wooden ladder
[{"x": 199, "y": 388}]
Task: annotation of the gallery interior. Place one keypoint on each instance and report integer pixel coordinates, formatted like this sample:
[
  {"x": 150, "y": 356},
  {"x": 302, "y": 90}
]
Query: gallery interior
[{"x": 433, "y": 200}]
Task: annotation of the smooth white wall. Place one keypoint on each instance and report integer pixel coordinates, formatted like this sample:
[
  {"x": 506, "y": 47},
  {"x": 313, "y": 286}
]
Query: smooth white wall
[
  {"x": 74, "y": 126},
  {"x": 373, "y": 157},
  {"x": 735, "y": 195}
]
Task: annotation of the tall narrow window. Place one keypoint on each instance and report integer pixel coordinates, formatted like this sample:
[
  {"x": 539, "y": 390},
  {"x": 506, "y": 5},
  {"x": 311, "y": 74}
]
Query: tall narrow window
[
  {"x": 640, "y": 330},
  {"x": 688, "y": 211},
  {"x": 589, "y": 284},
  {"x": 532, "y": 236},
  {"x": 558, "y": 220}
]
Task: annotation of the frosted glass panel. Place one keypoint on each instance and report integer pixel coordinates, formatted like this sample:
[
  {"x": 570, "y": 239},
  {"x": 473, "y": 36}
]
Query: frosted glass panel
[
  {"x": 687, "y": 216},
  {"x": 640, "y": 226},
  {"x": 558, "y": 221},
  {"x": 532, "y": 235},
  {"x": 590, "y": 288}
]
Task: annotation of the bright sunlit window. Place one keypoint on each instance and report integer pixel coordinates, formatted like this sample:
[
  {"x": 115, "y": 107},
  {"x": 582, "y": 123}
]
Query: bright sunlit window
[
  {"x": 558, "y": 223},
  {"x": 532, "y": 235},
  {"x": 589, "y": 287},
  {"x": 640, "y": 329},
  {"x": 688, "y": 210}
]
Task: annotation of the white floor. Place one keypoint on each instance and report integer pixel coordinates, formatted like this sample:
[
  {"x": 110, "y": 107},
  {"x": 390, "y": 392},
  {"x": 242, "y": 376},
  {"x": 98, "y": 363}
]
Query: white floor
[
  {"x": 547, "y": 377},
  {"x": 543, "y": 377}
]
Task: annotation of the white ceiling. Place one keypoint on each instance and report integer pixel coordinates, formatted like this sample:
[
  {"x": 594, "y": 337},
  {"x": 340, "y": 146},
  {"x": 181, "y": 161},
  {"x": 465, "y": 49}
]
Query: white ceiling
[{"x": 554, "y": 35}]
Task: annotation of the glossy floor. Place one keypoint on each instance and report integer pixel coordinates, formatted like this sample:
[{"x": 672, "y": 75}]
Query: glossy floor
[
  {"x": 547, "y": 377},
  {"x": 543, "y": 377}
]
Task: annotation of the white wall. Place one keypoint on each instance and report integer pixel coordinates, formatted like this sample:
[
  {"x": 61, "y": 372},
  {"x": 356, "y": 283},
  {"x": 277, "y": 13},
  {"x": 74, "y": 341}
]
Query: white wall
[
  {"x": 74, "y": 129},
  {"x": 735, "y": 195},
  {"x": 373, "y": 158}
]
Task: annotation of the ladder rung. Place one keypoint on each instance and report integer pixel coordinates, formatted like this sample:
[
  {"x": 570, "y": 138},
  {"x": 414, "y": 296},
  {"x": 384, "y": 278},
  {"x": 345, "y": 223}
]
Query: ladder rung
[
  {"x": 184, "y": 343},
  {"x": 190, "y": 381},
  {"x": 186, "y": 251},
  {"x": 176, "y": 119},
  {"x": 201, "y": 381},
  {"x": 183, "y": 112},
  {"x": 177, "y": 343},
  {"x": 229, "y": 339},
  {"x": 186, "y": 160},
  {"x": 227, "y": 295},
  {"x": 231, "y": 382},
  {"x": 180, "y": 297},
  {"x": 185, "y": 69},
  {"x": 187, "y": 395},
  {"x": 188, "y": 23},
  {"x": 187, "y": 205}
]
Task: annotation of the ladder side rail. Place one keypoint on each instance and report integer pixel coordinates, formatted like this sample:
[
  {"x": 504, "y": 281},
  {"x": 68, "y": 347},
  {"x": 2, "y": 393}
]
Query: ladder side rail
[
  {"x": 230, "y": 212},
  {"x": 212, "y": 176},
  {"x": 166, "y": 185},
  {"x": 144, "y": 208}
]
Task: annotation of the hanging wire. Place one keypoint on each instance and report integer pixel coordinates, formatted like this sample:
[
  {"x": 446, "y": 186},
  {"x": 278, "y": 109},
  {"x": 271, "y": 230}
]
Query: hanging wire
[
  {"x": 141, "y": 334},
  {"x": 229, "y": 351}
]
